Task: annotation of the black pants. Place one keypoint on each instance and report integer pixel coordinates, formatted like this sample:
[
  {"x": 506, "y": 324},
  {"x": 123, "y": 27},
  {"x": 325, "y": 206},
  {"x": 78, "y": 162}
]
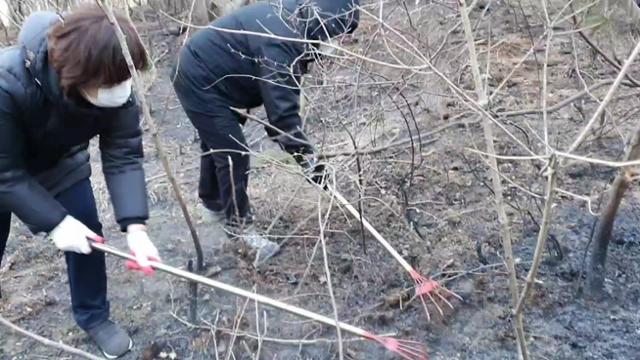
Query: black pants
[
  {"x": 224, "y": 174},
  {"x": 87, "y": 274}
]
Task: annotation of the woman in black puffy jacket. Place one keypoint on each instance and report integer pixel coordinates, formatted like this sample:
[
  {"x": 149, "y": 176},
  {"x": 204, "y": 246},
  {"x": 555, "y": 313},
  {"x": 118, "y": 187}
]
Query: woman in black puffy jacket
[{"x": 65, "y": 83}]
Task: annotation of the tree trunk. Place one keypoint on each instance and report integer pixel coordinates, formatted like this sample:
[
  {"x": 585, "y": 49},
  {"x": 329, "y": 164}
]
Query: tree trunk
[{"x": 602, "y": 236}]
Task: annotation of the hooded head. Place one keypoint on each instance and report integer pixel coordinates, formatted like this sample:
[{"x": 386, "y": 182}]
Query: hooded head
[{"x": 328, "y": 19}]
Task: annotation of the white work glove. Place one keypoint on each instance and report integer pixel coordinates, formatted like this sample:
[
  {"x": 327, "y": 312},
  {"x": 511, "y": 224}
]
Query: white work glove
[
  {"x": 143, "y": 249},
  {"x": 71, "y": 235}
]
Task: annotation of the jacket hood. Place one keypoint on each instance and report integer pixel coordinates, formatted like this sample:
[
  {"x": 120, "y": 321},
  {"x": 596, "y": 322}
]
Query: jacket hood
[
  {"x": 328, "y": 19},
  {"x": 35, "y": 29},
  {"x": 33, "y": 40}
]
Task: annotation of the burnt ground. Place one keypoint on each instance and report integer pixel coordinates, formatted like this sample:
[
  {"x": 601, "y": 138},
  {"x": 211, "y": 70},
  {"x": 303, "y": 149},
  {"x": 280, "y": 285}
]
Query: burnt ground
[{"x": 433, "y": 203}]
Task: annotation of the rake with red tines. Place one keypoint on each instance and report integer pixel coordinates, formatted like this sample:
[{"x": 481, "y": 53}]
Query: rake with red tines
[
  {"x": 408, "y": 350},
  {"x": 426, "y": 288}
]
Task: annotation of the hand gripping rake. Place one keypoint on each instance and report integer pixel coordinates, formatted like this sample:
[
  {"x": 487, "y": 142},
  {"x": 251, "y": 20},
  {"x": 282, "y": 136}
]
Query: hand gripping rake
[
  {"x": 425, "y": 287},
  {"x": 408, "y": 350}
]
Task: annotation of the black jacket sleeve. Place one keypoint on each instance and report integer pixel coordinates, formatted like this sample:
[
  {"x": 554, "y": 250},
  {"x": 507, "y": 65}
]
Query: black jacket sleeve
[
  {"x": 121, "y": 151},
  {"x": 20, "y": 193},
  {"x": 281, "y": 95}
]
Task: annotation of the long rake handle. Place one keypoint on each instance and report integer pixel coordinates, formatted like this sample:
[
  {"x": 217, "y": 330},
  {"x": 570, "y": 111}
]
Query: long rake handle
[
  {"x": 236, "y": 291},
  {"x": 371, "y": 229}
]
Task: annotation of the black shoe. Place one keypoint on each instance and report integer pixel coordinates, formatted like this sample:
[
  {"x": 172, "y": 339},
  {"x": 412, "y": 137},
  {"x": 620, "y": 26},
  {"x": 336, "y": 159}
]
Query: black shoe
[{"x": 112, "y": 340}]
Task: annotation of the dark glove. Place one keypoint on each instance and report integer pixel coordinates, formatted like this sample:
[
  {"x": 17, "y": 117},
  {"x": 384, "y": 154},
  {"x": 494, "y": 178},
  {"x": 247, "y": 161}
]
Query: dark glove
[{"x": 313, "y": 170}]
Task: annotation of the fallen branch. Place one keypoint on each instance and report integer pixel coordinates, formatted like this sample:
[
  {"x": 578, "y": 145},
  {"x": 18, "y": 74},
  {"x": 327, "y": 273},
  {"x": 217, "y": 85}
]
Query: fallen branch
[
  {"x": 561, "y": 104},
  {"x": 358, "y": 152},
  {"x": 46, "y": 342},
  {"x": 376, "y": 150}
]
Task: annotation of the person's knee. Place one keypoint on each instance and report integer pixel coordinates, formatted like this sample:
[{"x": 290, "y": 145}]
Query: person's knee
[{"x": 236, "y": 160}]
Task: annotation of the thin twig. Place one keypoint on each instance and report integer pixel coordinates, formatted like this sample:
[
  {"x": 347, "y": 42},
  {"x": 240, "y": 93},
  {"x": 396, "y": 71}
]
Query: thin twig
[
  {"x": 601, "y": 52},
  {"x": 550, "y": 191},
  {"x": 260, "y": 335},
  {"x": 322, "y": 224},
  {"x": 150, "y": 121},
  {"x": 282, "y": 210},
  {"x": 238, "y": 322},
  {"x": 596, "y": 115},
  {"x": 47, "y": 342},
  {"x": 543, "y": 234}
]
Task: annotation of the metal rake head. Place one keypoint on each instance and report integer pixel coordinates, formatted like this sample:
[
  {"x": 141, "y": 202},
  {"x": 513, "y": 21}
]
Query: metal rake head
[
  {"x": 406, "y": 349},
  {"x": 428, "y": 288}
]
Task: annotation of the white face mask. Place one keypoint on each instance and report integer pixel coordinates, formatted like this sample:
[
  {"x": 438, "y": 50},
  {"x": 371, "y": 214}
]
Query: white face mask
[{"x": 110, "y": 97}]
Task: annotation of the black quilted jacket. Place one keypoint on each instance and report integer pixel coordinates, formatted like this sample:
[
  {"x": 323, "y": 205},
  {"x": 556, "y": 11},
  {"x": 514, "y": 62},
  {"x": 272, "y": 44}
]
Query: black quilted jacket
[
  {"x": 44, "y": 138},
  {"x": 248, "y": 69}
]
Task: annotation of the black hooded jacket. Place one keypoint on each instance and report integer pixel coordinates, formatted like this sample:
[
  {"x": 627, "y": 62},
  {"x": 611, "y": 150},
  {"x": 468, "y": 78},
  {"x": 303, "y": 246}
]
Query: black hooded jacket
[
  {"x": 257, "y": 55},
  {"x": 44, "y": 138}
]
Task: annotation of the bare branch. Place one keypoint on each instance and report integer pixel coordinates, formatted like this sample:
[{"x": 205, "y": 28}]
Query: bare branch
[
  {"x": 137, "y": 84},
  {"x": 505, "y": 232},
  {"x": 47, "y": 342}
]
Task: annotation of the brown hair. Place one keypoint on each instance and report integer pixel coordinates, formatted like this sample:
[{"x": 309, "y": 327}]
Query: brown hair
[{"x": 84, "y": 49}]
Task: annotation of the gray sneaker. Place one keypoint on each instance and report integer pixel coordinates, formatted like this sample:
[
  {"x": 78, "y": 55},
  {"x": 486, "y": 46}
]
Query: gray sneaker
[
  {"x": 211, "y": 217},
  {"x": 112, "y": 340},
  {"x": 265, "y": 249}
]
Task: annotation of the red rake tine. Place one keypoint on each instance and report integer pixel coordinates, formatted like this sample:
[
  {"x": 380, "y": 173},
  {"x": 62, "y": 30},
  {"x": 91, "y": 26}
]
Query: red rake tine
[
  {"x": 424, "y": 286},
  {"x": 428, "y": 289},
  {"x": 406, "y": 349},
  {"x": 409, "y": 351}
]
